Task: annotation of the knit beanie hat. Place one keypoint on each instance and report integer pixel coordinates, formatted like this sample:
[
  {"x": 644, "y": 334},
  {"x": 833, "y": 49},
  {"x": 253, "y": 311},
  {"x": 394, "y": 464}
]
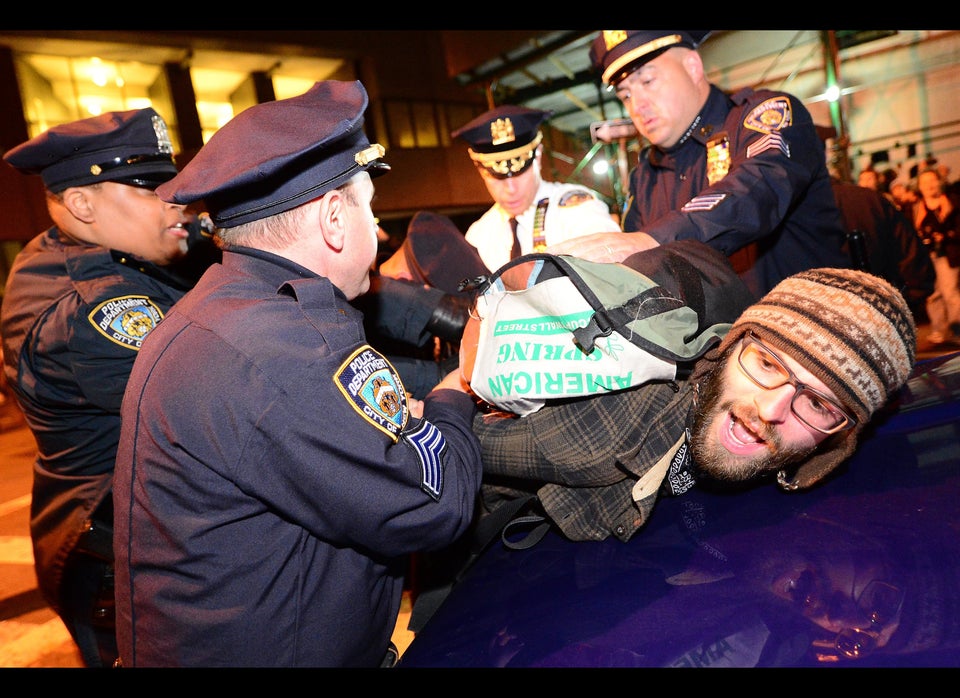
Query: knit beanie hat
[{"x": 852, "y": 330}]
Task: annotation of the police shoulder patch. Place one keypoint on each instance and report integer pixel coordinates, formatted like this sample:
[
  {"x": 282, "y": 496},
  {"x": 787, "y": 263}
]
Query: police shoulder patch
[
  {"x": 575, "y": 197},
  {"x": 126, "y": 320},
  {"x": 772, "y": 115},
  {"x": 374, "y": 389}
]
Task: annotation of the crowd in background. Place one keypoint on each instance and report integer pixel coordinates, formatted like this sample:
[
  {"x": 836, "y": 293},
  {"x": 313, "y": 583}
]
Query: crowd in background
[
  {"x": 902, "y": 190},
  {"x": 928, "y": 202}
]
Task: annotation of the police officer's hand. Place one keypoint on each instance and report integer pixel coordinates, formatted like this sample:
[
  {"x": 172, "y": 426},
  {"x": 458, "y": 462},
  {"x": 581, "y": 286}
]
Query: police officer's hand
[
  {"x": 453, "y": 381},
  {"x": 604, "y": 247},
  {"x": 415, "y": 406},
  {"x": 396, "y": 266}
]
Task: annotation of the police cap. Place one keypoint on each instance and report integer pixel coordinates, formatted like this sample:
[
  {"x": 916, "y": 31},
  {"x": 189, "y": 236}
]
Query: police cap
[
  {"x": 131, "y": 147},
  {"x": 619, "y": 52},
  {"x": 504, "y": 140},
  {"x": 275, "y": 156},
  {"x": 437, "y": 253}
]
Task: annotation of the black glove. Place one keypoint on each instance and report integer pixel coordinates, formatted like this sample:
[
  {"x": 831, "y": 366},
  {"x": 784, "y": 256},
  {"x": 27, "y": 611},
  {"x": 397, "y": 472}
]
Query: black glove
[{"x": 450, "y": 316}]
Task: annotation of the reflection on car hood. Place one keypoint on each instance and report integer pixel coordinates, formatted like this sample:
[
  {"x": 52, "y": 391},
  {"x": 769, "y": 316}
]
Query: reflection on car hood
[{"x": 862, "y": 570}]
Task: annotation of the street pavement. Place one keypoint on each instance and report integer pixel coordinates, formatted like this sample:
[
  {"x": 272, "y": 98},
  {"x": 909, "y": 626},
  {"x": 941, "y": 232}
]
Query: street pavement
[{"x": 31, "y": 634}]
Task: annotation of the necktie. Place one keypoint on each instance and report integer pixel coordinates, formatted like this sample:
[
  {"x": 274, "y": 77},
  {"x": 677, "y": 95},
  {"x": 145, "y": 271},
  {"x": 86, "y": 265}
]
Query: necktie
[{"x": 515, "y": 252}]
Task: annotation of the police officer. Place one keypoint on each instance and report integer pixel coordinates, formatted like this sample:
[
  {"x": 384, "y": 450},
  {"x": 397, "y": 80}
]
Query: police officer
[
  {"x": 80, "y": 300},
  {"x": 888, "y": 243},
  {"x": 506, "y": 145},
  {"x": 744, "y": 173},
  {"x": 268, "y": 519}
]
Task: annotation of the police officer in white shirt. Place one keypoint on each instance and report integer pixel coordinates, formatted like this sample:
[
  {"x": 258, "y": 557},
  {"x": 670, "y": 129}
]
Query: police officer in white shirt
[{"x": 506, "y": 146}]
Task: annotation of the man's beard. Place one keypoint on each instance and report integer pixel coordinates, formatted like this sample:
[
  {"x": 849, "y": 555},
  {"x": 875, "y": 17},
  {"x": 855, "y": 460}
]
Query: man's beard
[{"x": 710, "y": 459}]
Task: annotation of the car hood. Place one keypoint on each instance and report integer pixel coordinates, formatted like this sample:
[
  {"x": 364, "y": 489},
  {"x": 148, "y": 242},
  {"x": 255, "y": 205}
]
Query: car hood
[{"x": 862, "y": 570}]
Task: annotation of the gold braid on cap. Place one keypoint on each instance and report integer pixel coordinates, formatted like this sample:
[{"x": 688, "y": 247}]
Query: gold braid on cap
[
  {"x": 507, "y": 161},
  {"x": 639, "y": 51}
]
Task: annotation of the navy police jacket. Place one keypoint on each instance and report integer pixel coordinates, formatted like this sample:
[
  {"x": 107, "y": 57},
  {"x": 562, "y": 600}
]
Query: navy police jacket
[
  {"x": 751, "y": 172},
  {"x": 271, "y": 482},
  {"x": 74, "y": 317}
]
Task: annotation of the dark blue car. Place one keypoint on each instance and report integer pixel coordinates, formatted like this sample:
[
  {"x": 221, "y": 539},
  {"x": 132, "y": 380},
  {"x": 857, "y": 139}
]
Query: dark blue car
[{"x": 863, "y": 570}]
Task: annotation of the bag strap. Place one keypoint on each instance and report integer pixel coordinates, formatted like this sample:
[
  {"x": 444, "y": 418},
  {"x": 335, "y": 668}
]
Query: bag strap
[
  {"x": 651, "y": 301},
  {"x": 604, "y": 321},
  {"x": 496, "y": 523}
]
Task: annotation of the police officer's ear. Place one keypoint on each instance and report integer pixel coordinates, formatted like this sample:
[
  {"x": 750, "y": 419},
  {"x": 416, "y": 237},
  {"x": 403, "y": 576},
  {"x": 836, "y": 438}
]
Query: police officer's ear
[
  {"x": 332, "y": 217},
  {"x": 693, "y": 65},
  {"x": 78, "y": 202}
]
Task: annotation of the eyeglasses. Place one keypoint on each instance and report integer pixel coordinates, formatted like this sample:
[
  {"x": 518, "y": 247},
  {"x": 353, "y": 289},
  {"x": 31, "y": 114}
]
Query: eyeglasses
[
  {"x": 877, "y": 607},
  {"x": 819, "y": 412}
]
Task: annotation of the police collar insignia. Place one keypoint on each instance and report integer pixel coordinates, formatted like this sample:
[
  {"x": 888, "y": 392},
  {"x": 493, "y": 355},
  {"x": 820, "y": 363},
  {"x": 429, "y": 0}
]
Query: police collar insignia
[{"x": 685, "y": 136}]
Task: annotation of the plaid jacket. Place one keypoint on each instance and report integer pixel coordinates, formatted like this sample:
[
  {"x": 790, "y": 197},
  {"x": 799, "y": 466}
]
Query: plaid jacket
[{"x": 589, "y": 452}]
